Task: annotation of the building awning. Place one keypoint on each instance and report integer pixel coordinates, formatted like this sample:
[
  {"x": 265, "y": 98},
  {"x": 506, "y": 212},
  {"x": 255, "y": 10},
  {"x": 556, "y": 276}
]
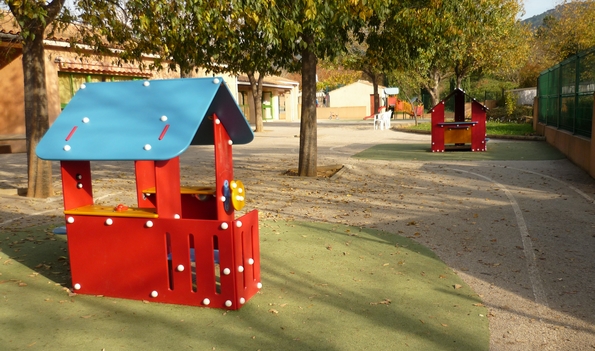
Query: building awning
[
  {"x": 273, "y": 82},
  {"x": 103, "y": 68}
]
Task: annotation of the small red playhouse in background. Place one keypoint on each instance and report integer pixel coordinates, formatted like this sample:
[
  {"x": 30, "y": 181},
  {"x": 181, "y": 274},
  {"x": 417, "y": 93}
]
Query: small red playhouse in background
[
  {"x": 180, "y": 245},
  {"x": 460, "y": 133}
]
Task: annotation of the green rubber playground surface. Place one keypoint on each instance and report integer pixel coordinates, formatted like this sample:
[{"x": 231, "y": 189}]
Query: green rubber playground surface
[
  {"x": 325, "y": 287},
  {"x": 497, "y": 151}
]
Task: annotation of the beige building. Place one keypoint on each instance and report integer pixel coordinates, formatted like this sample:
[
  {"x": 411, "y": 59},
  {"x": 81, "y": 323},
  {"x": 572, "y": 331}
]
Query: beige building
[
  {"x": 353, "y": 101},
  {"x": 279, "y": 99}
]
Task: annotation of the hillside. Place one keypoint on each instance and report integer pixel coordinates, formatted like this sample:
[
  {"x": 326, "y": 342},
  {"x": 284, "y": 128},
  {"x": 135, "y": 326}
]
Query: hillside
[{"x": 537, "y": 20}]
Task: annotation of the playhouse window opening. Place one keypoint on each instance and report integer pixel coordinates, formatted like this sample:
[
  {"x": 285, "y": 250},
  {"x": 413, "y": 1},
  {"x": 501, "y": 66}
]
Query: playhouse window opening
[
  {"x": 217, "y": 266},
  {"x": 170, "y": 267},
  {"x": 243, "y": 260},
  {"x": 192, "y": 254},
  {"x": 449, "y": 110},
  {"x": 114, "y": 174},
  {"x": 197, "y": 171},
  {"x": 253, "y": 239}
]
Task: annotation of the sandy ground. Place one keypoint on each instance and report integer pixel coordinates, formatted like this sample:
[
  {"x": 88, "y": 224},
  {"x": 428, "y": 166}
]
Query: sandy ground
[{"x": 520, "y": 233}]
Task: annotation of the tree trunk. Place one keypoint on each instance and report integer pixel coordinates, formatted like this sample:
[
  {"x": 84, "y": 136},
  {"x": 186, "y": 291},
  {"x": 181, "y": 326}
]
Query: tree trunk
[
  {"x": 434, "y": 88},
  {"x": 184, "y": 73},
  {"x": 415, "y": 113},
  {"x": 459, "y": 81},
  {"x": 256, "y": 87},
  {"x": 374, "y": 77},
  {"x": 376, "y": 96},
  {"x": 36, "y": 113},
  {"x": 308, "y": 129}
]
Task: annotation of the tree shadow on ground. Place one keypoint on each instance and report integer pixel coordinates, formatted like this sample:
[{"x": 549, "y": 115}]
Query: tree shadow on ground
[{"x": 317, "y": 295}]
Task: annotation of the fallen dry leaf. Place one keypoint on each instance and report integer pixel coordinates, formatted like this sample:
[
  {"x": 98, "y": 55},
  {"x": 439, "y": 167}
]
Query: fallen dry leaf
[{"x": 383, "y": 302}]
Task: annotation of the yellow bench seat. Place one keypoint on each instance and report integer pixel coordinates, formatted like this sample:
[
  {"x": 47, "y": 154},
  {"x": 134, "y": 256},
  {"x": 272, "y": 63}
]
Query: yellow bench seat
[
  {"x": 191, "y": 190},
  {"x": 110, "y": 211}
]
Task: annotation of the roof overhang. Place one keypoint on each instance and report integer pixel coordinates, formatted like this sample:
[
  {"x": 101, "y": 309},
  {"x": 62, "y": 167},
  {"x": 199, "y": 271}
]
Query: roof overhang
[
  {"x": 97, "y": 67},
  {"x": 270, "y": 85}
]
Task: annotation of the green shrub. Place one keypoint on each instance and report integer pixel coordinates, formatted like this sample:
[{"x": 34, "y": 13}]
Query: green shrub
[
  {"x": 519, "y": 114},
  {"x": 509, "y": 103}
]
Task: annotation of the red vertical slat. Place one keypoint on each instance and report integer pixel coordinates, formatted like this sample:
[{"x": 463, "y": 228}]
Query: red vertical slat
[
  {"x": 76, "y": 184},
  {"x": 478, "y": 136},
  {"x": 223, "y": 167},
  {"x": 167, "y": 188},
  {"x": 145, "y": 179},
  {"x": 437, "y": 131}
]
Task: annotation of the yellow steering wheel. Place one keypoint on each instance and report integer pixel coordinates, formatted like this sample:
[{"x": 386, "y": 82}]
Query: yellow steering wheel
[{"x": 238, "y": 194}]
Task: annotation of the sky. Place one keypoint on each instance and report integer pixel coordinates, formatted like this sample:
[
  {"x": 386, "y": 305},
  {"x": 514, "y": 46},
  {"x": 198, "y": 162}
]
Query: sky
[{"x": 536, "y": 7}]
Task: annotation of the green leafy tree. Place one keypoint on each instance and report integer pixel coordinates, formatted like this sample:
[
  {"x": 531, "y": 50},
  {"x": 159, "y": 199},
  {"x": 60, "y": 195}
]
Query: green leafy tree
[
  {"x": 332, "y": 76},
  {"x": 409, "y": 86},
  {"x": 422, "y": 35},
  {"x": 371, "y": 56},
  {"x": 313, "y": 30},
  {"x": 442, "y": 38},
  {"x": 251, "y": 45},
  {"x": 232, "y": 37},
  {"x": 34, "y": 17},
  {"x": 489, "y": 38},
  {"x": 572, "y": 32},
  {"x": 178, "y": 33},
  {"x": 293, "y": 34}
]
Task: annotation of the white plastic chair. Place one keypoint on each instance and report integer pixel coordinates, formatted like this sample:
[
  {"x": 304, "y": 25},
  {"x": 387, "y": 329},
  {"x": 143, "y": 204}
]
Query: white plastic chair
[
  {"x": 386, "y": 118},
  {"x": 378, "y": 121}
]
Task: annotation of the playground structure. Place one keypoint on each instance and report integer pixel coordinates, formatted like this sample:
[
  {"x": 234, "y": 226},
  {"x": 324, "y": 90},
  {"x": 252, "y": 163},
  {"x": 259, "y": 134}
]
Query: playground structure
[
  {"x": 460, "y": 133},
  {"x": 179, "y": 244},
  {"x": 401, "y": 106},
  {"x": 393, "y": 107}
]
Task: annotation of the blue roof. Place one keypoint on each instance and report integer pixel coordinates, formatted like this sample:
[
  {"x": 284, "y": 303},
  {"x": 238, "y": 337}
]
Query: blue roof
[{"x": 142, "y": 120}]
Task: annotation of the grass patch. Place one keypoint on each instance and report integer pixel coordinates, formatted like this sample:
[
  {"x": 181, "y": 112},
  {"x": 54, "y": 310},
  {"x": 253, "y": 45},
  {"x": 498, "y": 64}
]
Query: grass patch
[
  {"x": 492, "y": 128},
  {"x": 325, "y": 287},
  {"x": 497, "y": 151}
]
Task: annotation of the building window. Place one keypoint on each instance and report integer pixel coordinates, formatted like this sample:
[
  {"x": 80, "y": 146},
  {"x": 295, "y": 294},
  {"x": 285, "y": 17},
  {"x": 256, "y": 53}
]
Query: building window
[{"x": 70, "y": 83}]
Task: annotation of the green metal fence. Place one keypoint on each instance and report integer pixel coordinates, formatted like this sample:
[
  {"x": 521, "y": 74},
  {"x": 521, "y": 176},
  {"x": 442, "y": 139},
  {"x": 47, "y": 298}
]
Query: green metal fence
[{"x": 565, "y": 92}]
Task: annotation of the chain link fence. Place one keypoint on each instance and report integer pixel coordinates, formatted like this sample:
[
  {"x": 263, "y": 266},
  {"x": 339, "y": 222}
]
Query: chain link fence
[{"x": 565, "y": 92}]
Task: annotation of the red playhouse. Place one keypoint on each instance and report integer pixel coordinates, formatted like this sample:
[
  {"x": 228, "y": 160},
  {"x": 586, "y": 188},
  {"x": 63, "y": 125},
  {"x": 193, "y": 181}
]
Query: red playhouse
[
  {"x": 180, "y": 245},
  {"x": 460, "y": 133}
]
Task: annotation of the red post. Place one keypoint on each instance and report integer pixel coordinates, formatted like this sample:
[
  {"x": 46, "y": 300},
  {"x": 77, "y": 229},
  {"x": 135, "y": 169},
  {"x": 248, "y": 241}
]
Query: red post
[
  {"x": 223, "y": 169},
  {"x": 76, "y": 184},
  {"x": 478, "y": 134},
  {"x": 438, "y": 131},
  {"x": 167, "y": 188}
]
